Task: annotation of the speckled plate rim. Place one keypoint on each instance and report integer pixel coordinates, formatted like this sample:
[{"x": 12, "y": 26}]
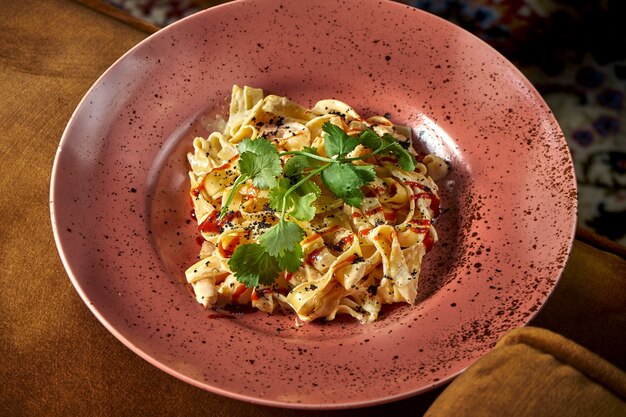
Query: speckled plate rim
[{"x": 65, "y": 258}]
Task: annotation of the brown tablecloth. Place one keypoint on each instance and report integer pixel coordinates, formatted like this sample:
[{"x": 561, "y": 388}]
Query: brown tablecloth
[{"x": 56, "y": 359}]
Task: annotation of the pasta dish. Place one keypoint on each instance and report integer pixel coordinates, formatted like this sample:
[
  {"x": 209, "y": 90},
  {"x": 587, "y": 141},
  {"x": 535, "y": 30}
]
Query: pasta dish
[{"x": 317, "y": 211}]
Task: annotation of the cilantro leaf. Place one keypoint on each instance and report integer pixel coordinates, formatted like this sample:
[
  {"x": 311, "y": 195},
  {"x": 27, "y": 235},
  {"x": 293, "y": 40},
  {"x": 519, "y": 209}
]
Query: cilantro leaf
[
  {"x": 346, "y": 180},
  {"x": 253, "y": 265},
  {"x": 291, "y": 261},
  {"x": 353, "y": 197},
  {"x": 282, "y": 237},
  {"x": 259, "y": 161},
  {"x": 299, "y": 201},
  {"x": 337, "y": 142},
  {"x": 259, "y": 145},
  {"x": 297, "y": 164},
  {"x": 277, "y": 193},
  {"x": 365, "y": 172},
  {"x": 308, "y": 187},
  {"x": 370, "y": 139},
  {"x": 303, "y": 208},
  {"x": 279, "y": 249}
]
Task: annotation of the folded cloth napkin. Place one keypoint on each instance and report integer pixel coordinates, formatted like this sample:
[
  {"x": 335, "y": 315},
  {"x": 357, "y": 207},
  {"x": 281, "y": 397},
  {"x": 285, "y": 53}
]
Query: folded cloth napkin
[{"x": 535, "y": 372}]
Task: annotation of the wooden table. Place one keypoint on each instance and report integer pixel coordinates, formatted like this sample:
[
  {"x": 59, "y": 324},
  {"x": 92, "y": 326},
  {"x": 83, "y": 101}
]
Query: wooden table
[{"x": 55, "y": 357}]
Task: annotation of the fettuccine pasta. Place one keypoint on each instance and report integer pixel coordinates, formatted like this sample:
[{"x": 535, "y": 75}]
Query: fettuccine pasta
[{"x": 354, "y": 259}]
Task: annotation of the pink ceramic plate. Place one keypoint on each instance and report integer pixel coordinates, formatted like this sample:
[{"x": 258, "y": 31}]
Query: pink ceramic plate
[{"x": 120, "y": 209}]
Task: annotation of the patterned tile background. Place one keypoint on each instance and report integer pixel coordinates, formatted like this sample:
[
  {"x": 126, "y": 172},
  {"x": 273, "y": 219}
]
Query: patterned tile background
[{"x": 574, "y": 52}]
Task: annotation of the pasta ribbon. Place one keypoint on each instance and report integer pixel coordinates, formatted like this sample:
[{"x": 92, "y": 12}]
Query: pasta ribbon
[{"x": 355, "y": 259}]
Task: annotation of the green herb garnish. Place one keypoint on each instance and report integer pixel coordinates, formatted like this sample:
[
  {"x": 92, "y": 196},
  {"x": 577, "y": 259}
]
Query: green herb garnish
[
  {"x": 293, "y": 195},
  {"x": 258, "y": 161}
]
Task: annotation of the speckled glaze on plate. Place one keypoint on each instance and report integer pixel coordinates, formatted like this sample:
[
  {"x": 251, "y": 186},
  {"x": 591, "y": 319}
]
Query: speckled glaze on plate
[{"x": 120, "y": 209}]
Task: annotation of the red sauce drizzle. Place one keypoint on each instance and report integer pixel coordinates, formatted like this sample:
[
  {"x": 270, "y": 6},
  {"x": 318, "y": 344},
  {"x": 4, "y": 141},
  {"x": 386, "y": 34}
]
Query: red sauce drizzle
[
  {"x": 227, "y": 252},
  {"x": 288, "y": 276},
  {"x": 434, "y": 201},
  {"x": 345, "y": 241},
  {"x": 196, "y": 191},
  {"x": 427, "y": 193},
  {"x": 256, "y": 294},
  {"x": 420, "y": 225},
  {"x": 421, "y": 195},
  {"x": 221, "y": 167},
  {"x": 213, "y": 225},
  {"x": 356, "y": 215},
  {"x": 230, "y": 216},
  {"x": 435, "y": 204},
  {"x": 331, "y": 229},
  {"x": 311, "y": 238},
  {"x": 364, "y": 232},
  {"x": 393, "y": 189},
  {"x": 415, "y": 185},
  {"x": 428, "y": 242},
  {"x": 240, "y": 290},
  {"x": 373, "y": 211},
  {"x": 390, "y": 216},
  {"x": 311, "y": 256}
]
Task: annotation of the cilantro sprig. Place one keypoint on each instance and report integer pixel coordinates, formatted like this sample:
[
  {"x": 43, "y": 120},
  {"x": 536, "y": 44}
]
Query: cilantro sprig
[
  {"x": 293, "y": 195},
  {"x": 388, "y": 144},
  {"x": 278, "y": 250},
  {"x": 258, "y": 161}
]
